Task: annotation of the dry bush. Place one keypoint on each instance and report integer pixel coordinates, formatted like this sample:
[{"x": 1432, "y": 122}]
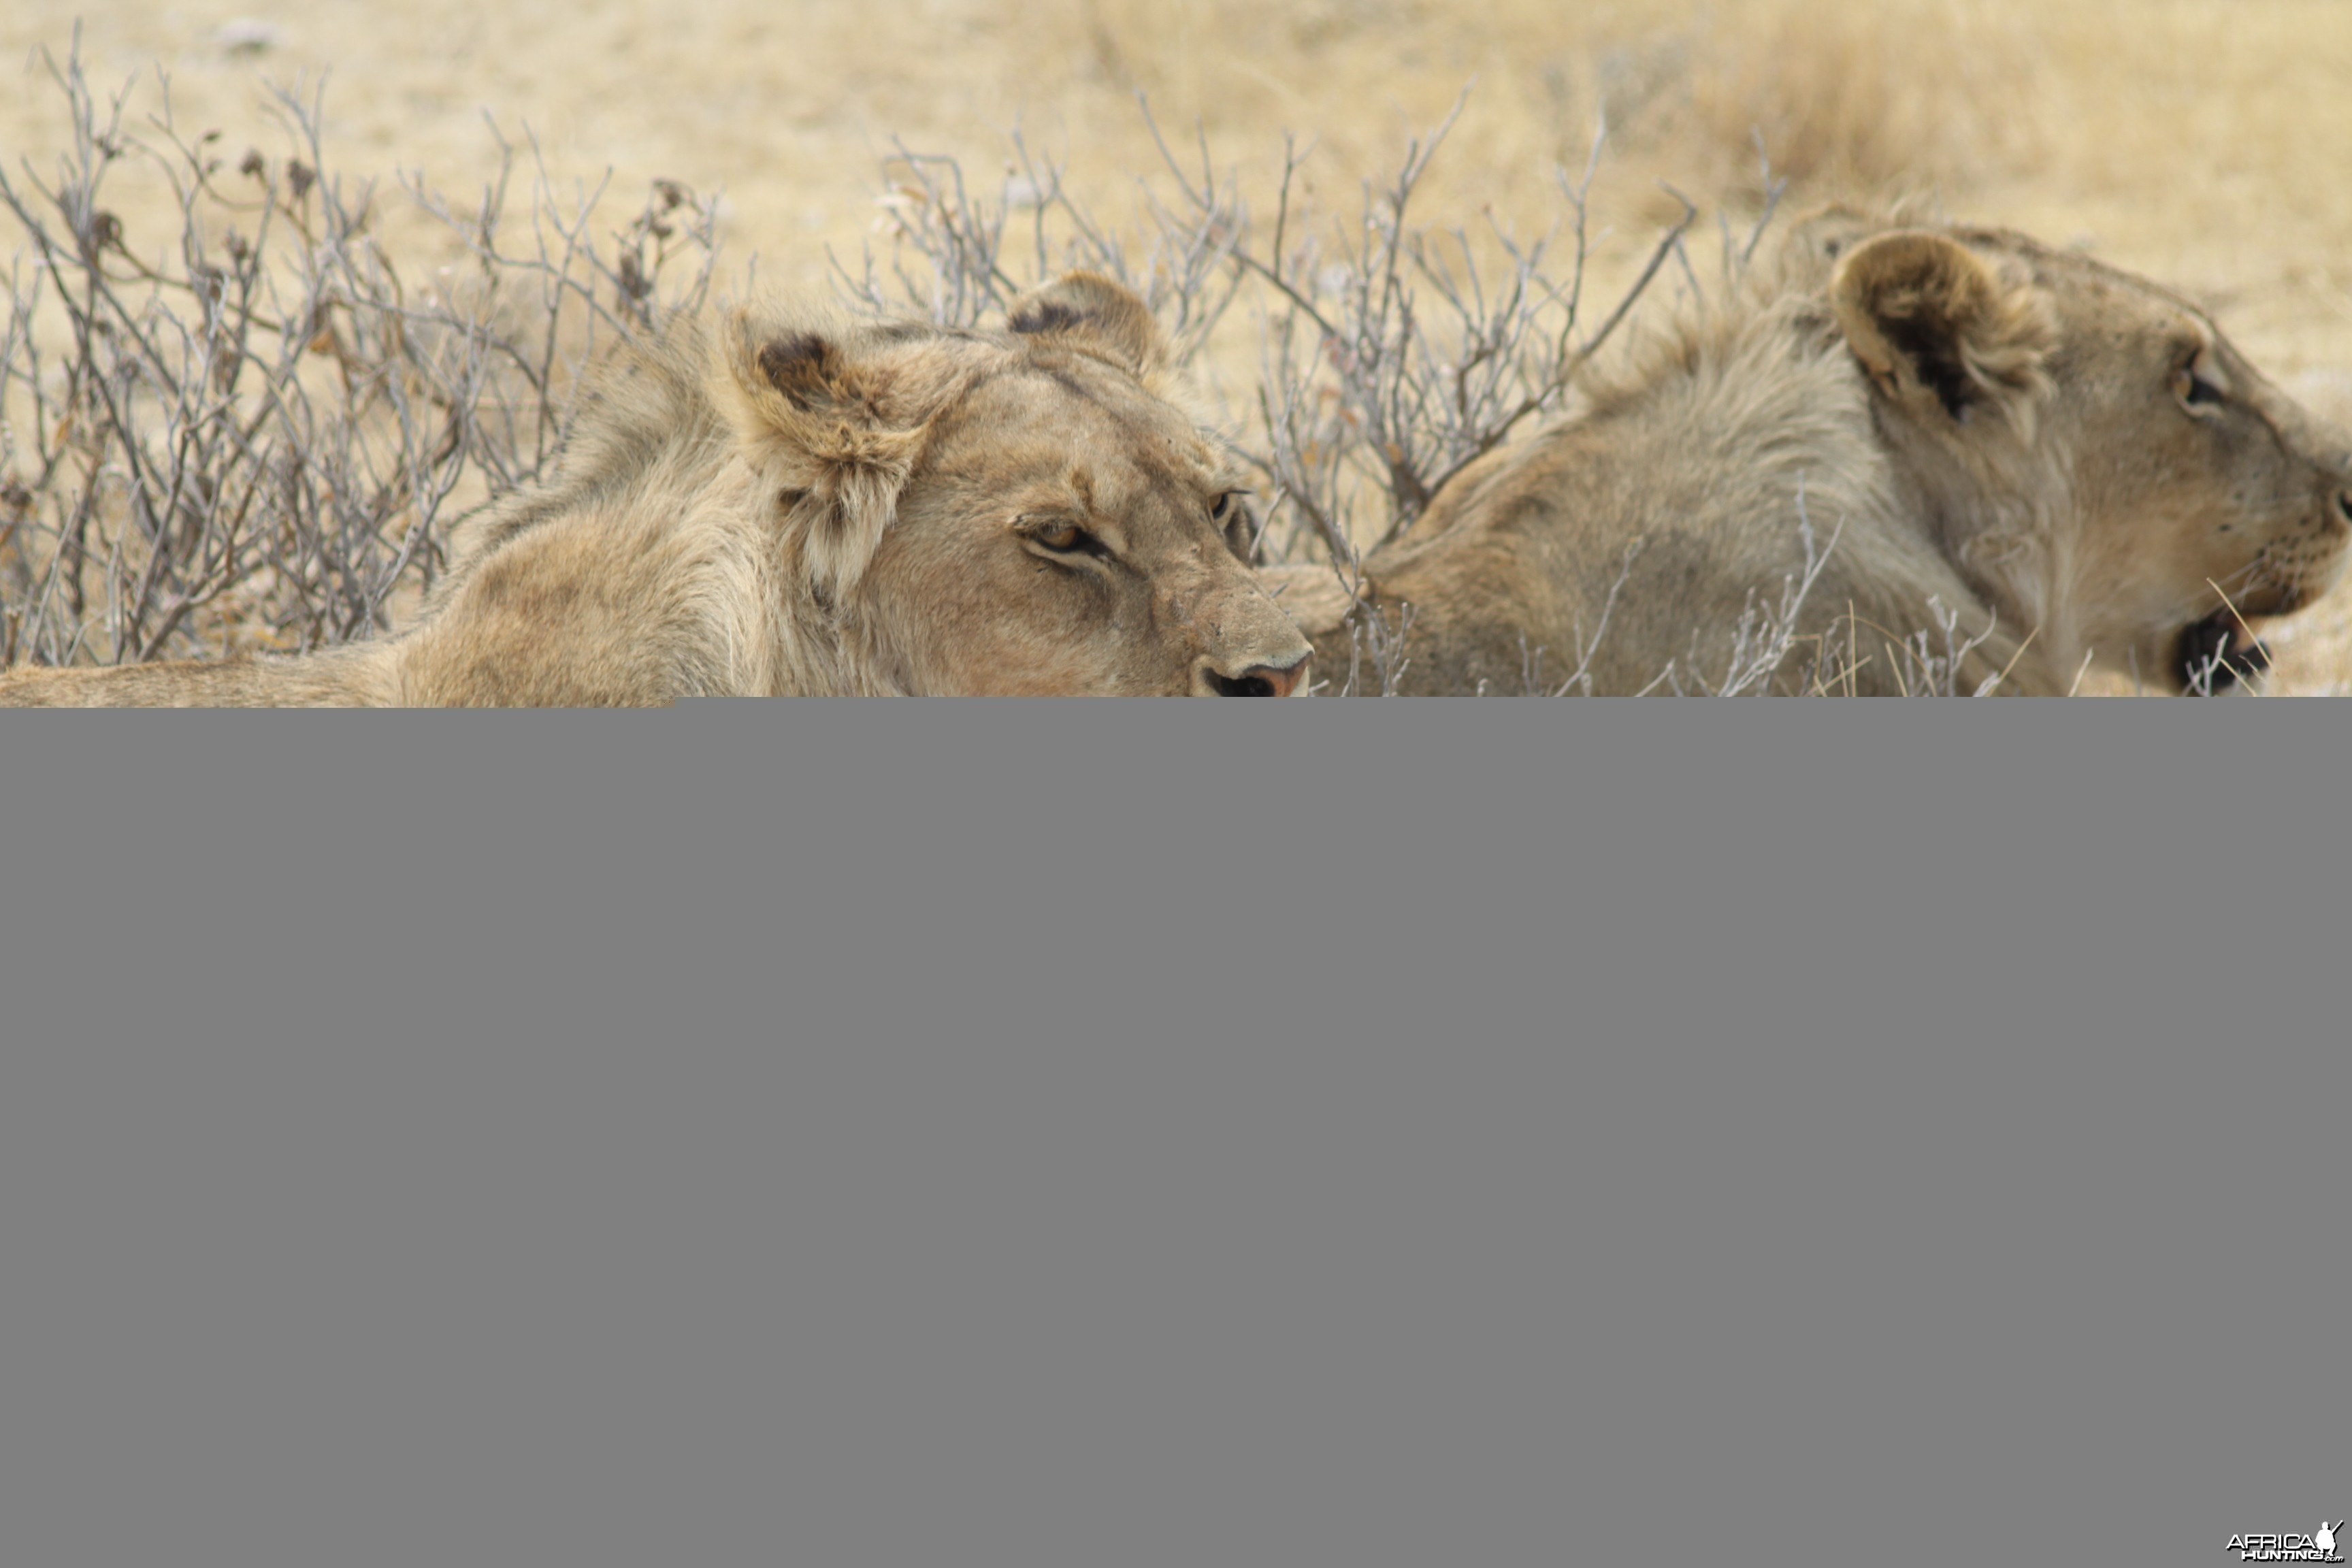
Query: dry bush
[
  {"x": 1386, "y": 355},
  {"x": 257, "y": 430}
]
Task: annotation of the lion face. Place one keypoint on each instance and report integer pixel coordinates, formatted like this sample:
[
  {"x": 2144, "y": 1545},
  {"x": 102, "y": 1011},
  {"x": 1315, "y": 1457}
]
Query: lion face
[
  {"x": 1014, "y": 513},
  {"x": 1068, "y": 532},
  {"x": 2208, "y": 495},
  {"x": 2110, "y": 469}
]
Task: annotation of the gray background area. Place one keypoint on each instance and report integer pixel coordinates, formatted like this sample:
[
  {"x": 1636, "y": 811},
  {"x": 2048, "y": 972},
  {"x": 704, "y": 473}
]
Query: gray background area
[{"x": 866, "y": 1133}]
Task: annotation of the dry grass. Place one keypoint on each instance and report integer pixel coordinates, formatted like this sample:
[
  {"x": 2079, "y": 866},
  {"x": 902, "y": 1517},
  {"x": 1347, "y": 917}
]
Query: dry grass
[
  {"x": 2113, "y": 118},
  {"x": 2190, "y": 139}
]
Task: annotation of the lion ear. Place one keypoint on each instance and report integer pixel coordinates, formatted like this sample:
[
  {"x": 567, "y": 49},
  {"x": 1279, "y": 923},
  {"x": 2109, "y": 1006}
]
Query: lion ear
[
  {"x": 1934, "y": 326},
  {"x": 1090, "y": 311},
  {"x": 811, "y": 373},
  {"x": 814, "y": 419}
]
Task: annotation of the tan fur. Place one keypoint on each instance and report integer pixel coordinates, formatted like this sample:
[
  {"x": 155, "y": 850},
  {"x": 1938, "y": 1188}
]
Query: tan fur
[
  {"x": 787, "y": 508},
  {"x": 1979, "y": 420}
]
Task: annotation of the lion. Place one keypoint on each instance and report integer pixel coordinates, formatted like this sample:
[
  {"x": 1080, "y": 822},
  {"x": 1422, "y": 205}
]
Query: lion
[
  {"x": 782, "y": 508},
  {"x": 1931, "y": 456}
]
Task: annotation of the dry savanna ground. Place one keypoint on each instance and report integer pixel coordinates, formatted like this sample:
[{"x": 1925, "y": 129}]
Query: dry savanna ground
[{"x": 2194, "y": 140}]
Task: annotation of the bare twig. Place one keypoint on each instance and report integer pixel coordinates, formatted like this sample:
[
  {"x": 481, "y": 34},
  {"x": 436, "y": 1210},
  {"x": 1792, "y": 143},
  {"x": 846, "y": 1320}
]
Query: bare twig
[
  {"x": 256, "y": 429},
  {"x": 1388, "y": 357}
]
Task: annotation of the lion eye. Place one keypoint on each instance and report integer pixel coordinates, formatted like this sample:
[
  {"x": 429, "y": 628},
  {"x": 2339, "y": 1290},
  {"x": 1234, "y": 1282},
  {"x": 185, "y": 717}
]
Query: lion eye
[
  {"x": 1223, "y": 511},
  {"x": 1067, "y": 538}
]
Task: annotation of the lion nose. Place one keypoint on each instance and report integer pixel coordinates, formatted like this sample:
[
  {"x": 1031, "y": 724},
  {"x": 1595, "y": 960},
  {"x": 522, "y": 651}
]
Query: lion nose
[{"x": 1260, "y": 679}]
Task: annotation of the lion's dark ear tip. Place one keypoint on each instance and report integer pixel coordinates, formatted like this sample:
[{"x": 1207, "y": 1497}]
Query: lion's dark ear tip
[
  {"x": 794, "y": 362},
  {"x": 1095, "y": 314},
  {"x": 1045, "y": 316}
]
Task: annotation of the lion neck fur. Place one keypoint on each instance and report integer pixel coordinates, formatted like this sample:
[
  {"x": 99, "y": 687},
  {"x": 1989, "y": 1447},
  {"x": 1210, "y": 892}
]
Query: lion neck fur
[
  {"x": 749, "y": 617},
  {"x": 1729, "y": 432}
]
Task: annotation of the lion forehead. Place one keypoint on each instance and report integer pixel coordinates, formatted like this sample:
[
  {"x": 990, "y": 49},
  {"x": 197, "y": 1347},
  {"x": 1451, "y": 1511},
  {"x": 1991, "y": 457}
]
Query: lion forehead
[{"x": 1088, "y": 429}]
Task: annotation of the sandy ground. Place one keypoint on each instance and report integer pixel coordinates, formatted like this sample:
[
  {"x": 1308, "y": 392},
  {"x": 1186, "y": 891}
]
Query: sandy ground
[{"x": 2194, "y": 140}]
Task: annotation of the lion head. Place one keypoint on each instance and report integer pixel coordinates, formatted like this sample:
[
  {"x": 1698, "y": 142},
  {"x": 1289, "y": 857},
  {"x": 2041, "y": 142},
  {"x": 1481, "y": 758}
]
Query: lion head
[
  {"x": 1015, "y": 513},
  {"x": 2101, "y": 461}
]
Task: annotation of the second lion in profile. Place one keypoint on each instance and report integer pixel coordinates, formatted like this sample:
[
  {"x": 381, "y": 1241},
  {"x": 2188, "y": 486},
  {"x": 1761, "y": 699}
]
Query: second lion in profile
[{"x": 2069, "y": 460}]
